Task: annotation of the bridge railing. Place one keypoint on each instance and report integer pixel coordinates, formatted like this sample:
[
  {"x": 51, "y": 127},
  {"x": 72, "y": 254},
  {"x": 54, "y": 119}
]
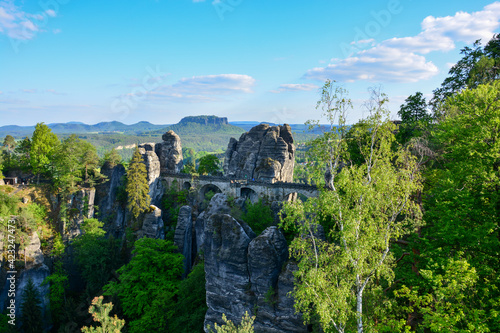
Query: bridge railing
[{"x": 240, "y": 182}]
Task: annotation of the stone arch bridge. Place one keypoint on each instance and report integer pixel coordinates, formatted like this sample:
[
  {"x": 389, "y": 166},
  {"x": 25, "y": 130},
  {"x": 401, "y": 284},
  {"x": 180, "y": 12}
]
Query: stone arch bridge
[{"x": 252, "y": 190}]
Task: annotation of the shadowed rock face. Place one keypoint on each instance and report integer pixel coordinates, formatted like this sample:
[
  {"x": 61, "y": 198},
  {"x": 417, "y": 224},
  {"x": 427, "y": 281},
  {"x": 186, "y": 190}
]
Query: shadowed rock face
[
  {"x": 152, "y": 226},
  {"x": 226, "y": 269},
  {"x": 183, "y": 237},
  {"x": 246, "y": 273},
  {"x": 164, "y": 156},
  {"x": 106, "y": 199},
  {"x": 265, "y": 153},
  {"x": 169, "y": 152}
]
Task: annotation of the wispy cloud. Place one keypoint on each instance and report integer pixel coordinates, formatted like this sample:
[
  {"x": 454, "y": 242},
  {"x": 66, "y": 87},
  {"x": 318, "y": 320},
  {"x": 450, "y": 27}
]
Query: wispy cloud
[
  {"x": 295, "y": 87},
  {"x": 54, "y": 92},
  {"x": 20, "y": 25},
  {"x": 199, "y": 89},
  {"x": 402, "y": 59}
]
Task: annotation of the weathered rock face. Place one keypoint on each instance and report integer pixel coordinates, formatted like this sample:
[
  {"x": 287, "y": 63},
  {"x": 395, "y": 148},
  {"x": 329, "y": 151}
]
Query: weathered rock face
[
  {"x": 151, "y": 160},
  {"x": 34, "y": 255},
  {"x": 265, "y": 153},
  {"x": 183, "y": 237},
  {"x": 248, "y": 273},
  {"x": 34, "y": 270},
  {"x": 218, "y": 205},
  {"x": 152, "y": 226},
  {"x": 106, "y": 198},
  {"x": 80, "y": 207},
  {"x": 226, "y": 269},
  {"x": 156, "y": 188},
  {"x": 169, "y": 152},
  {"x": 165, "y": 156}
]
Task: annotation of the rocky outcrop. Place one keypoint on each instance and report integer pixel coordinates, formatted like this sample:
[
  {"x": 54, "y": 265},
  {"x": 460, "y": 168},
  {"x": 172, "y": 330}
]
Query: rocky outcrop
[
  {"x": 153, "y": 166},
  {"x": 33, "y": 252},
  {"x": 169, "y": 152},
  {"x": 226, "y": 269},
  {"x": 36, "y": 271},
  {"x": 250, "y": 274},
  {"x": 151, "y": 160},
  {"x": 165, "y": 156},
  {"x": 152, "y": 226},
  {"x": 111, "y": 209},
  {"x": 80, "y": 207},
  {"x": 265, "y": 153},
  {"x": 204, "y": 120},
  {"x": 218, "y": 205},
  {"x": 184, "y": 235}
]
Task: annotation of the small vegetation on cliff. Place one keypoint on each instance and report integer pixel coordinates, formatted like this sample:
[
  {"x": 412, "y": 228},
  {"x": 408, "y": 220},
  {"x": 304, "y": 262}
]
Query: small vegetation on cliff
[
  {"x": 258, "y": 215},
  {"x": 246, "y": 325}
]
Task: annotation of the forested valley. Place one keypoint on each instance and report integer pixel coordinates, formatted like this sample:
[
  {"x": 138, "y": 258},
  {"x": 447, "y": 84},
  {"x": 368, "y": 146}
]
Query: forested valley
[{"x": 404, "y": 235}]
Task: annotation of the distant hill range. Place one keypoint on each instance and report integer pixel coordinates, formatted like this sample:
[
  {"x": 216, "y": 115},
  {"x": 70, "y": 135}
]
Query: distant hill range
[
  {"x": 79, "y": 128},
  {"x": 187, "y": 125}
]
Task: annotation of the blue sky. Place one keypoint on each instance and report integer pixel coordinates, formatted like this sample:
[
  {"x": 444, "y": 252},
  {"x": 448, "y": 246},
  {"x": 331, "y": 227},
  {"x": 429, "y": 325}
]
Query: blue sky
[{"x": 158, "y": 61}]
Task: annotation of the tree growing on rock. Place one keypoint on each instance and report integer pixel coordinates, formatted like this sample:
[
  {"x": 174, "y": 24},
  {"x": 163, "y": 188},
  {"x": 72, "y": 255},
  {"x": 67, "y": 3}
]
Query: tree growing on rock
[
  {"x": 137, "y": 185},
  {"x": 246, "y": 325}
]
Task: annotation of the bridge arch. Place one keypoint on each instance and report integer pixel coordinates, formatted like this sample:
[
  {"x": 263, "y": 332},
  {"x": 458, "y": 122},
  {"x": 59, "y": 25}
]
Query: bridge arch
[
  {"x": 186, "y": 185},
  {"x": 250, "y": 194},
  {"x": 302, "y": 194},
  {"x": 207, "y": 188}
]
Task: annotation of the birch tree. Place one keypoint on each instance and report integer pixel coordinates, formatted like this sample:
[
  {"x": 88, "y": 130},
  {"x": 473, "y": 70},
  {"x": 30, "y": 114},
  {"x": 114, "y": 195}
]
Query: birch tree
[{"x": 362, "y": 209}]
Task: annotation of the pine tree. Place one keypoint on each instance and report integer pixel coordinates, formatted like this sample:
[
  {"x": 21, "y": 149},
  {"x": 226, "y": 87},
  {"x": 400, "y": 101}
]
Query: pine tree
[
  {"x": 137, "y": 185},
  {"x": 31, "y": 316}
]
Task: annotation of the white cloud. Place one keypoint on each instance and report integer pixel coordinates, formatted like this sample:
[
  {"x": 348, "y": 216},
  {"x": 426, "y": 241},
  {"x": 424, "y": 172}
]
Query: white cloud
[
  {"x": 51, "y": 12},
  {"x": 216, "y": 84},
  {"x": 197, "y": 89},
  {"x": 378, "y": 64},
  {"x": 29, "y": 91},
  {"x": 54, "y": 92},
  {"x": 20, "y": 25},
  {"x": 402, "y": 59},
  {"x": 295, "y": 87}
]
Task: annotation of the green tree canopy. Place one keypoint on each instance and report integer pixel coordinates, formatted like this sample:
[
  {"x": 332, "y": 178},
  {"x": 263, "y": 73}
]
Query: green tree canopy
[
  {"x": 96, "y": 256},
  {"x": 43, "y": 145},
  {"x": 137, "y": 185},
  {"x": 414, "y": 117},
  {"x": 9, "y": 143},
  {"x": 462, "y": 212},
  {"x": 148, "y": 285},
  {"x": 112, "y": 158},
  {"x": 31, "y": 309},
  {"x": 23, "y": 151},
  {"x": 209, "y": 165},
  {"x": 368, "y": 204}
]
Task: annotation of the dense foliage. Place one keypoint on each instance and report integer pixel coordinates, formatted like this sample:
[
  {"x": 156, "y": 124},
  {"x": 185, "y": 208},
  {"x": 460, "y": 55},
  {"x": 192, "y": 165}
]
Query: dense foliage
[
  {"x": 148, "y": 285},
  {"x": 31, "y": 309},
  {"x": 137, "y": 186}
]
